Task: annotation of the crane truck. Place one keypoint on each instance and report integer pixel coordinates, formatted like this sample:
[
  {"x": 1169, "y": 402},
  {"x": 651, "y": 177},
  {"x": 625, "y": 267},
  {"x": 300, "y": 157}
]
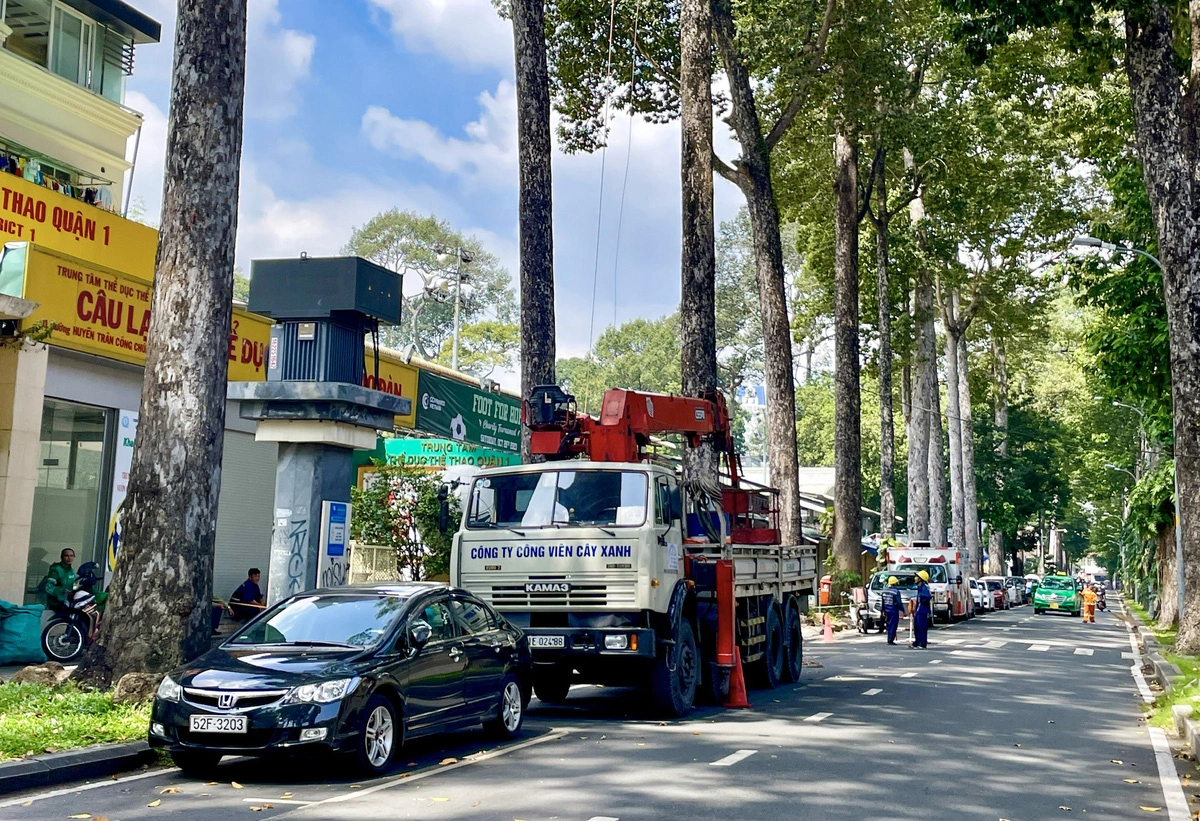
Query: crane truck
[{"x": 619, "y": 571}]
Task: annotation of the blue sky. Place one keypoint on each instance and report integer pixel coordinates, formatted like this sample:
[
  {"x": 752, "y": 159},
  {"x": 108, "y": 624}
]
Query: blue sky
[{"x": 410, "y": 104}]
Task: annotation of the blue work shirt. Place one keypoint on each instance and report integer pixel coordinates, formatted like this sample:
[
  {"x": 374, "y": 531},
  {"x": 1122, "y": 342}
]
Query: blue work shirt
[
  {"x": 891, "y": 601},
  {"x": 248, "y": 592},
  {"x": 924, "y": 598}
]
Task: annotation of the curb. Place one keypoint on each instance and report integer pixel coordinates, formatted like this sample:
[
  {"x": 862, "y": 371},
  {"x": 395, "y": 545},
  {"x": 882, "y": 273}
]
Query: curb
[
  {"x": 1164, "y": 671},
  {"x": 99, "y": 761}
]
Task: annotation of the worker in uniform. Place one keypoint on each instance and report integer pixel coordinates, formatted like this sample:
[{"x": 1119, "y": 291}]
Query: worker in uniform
[
  {"x": 892, "y": 604},
  {"x": 1089, "y": 604},
  {"x": 922, "y": 609}
]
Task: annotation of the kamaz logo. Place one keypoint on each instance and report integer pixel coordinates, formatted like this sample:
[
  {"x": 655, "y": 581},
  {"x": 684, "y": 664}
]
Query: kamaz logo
[{"x": 547, "y": 587}]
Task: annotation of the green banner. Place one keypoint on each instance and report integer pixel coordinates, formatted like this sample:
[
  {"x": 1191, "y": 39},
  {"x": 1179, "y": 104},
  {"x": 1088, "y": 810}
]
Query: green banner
[
  {"x": 466, "y": 414},
  {"x": 437, "y": 454}
]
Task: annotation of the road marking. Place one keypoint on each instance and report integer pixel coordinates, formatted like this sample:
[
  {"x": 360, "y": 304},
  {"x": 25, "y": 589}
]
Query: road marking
[
  {"x": 603, "y": 818},
  {"x": 733, "y": 758},
  {"x": 1129, "y": 656},
  {"x": 874, "y": 691},
  {"x": 957, "y": 652},
  {"x": 907, "y": 675},
  {"x": 409, "y": 777},
  {"x": 936, "y": 661},
  {"x": 96, "y": 785},
  {"x": 817, "y": 717},
  {"x": 995, "y": 645},
  {"x": 1143, "y": 688},
  {"x": 953, "y": 641},
  {"x": 1039, "y": 648},
  {"x": 295, "y": 801},
  {"x": 1084, "y": 651},
  {"x": 1168, "y": 777}
]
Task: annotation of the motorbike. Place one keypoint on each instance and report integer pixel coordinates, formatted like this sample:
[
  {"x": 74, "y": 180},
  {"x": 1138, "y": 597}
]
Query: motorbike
[
  {"x": 1101, "y": 604},
  {"x": 75, "y": 626}
]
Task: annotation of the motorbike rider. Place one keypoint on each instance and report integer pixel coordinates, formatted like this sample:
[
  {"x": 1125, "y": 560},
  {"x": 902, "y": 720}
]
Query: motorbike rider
[
  {"x": 60, "y": 580},
  {"x": 892, "y": 603}
]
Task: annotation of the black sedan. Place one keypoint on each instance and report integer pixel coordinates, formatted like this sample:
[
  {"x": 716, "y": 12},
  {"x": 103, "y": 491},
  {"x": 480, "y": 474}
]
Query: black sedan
[{"x": 351, "y": 669}]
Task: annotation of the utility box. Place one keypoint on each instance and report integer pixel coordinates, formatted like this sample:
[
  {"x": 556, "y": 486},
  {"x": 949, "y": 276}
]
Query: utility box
[{"x": 324, "y": 308}]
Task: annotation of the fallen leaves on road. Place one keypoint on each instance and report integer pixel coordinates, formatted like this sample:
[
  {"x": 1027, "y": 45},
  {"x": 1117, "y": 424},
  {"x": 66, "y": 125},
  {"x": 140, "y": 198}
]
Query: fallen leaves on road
[
  {"x": 446, "y": 761},
  {"x": 77, "y": 815},
  {"x": 1061, "y": 807},
  {"x": 236, "y": 785},
  {"x": 285, "y": 796},
  {"x": 695, "y": 732},
  {"x": 211, "y": 783},
  {"x": 438, "y": 798},
  {"x": 1131, "y": 781},
  {"x": 170, "y": 791},
  {"x": 155, "y": 802},
  {"x": 1151, "y": 809},
  {"x": 1117, "y": 761},
  {"x": 641, "y": 744},
  {"x": 262, "y": 807}
]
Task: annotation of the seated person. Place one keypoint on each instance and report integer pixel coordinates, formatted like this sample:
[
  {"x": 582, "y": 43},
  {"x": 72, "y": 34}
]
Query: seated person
[{"x": 247, "y": 601}]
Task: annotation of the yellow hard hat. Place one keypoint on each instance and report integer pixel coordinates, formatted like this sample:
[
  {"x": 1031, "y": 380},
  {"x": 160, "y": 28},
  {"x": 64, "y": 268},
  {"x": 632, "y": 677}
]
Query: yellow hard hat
[
  {"x": 893, "y": 580},
  {"x": 924, "y": 574}
]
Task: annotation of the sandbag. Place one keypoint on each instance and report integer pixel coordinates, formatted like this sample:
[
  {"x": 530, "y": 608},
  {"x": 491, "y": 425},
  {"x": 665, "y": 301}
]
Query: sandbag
[{"x": 21, "y": 634}]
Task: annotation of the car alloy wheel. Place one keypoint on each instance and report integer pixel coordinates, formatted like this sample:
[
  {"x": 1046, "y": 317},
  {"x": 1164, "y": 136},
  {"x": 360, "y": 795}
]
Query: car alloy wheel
[
  {"x": 377, "y": 742},
  {"x": 510, "y": 709}
]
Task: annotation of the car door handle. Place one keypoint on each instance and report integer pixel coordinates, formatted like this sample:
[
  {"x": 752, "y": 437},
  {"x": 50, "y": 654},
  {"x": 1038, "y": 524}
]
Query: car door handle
[{"x": 456, "y": 654}]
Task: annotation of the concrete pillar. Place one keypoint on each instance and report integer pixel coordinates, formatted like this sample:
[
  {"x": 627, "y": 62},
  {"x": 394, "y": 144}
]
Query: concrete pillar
[
  {"x": 22, "y": 389},
  {"x": 306, "y": 474}
]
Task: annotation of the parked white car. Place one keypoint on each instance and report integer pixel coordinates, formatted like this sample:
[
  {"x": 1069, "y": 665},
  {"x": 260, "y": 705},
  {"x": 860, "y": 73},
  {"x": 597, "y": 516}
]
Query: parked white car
[
  {"x": 1006, "y": 585},
  {"x": 981, "y": 596}
]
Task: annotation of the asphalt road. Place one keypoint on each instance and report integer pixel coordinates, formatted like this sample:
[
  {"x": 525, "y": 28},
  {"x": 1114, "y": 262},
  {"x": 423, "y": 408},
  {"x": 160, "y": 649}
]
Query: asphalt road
[{"x": 1010, "y": 716}]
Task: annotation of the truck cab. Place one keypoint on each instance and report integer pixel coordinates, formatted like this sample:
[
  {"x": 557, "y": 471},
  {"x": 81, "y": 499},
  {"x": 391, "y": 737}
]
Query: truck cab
[{"x": 950, "y": 589}]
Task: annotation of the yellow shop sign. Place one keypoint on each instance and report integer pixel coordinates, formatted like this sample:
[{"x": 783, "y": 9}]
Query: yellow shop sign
[
  {"x": 31, "y": 213},
  {"x": 396, "y": 378},
  {"x": 108, "y": 314}
]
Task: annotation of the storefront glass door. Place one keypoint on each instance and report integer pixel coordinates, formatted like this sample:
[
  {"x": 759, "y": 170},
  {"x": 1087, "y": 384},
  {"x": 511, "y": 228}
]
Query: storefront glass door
[{"x": 71, "y": 486}]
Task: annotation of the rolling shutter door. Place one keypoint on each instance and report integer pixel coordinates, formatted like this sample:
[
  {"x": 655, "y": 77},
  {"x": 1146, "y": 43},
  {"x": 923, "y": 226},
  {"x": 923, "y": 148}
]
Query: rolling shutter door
[{"x": 244, "y": 511}]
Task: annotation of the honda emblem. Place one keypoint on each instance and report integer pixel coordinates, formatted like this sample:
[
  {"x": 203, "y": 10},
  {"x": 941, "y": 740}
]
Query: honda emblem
[{"x": 226, "y": 701}]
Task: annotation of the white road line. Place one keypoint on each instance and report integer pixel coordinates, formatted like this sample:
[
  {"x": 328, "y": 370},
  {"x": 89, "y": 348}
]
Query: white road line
[
  {"x": 733, "y": 758},
  {"x": 874, "y": 691},
  {"x": 817, "y": 717},
  {"x": 1084, "y": 651},
  {"x": 16, "y": 802},
  {"x": 1143, "y": 688},
  {"x": 408, "y": 778},
  {"x": 995, "y": 645},
  {"x": 295, "y": 801},
  {"x": 603, "y": 818},
  {"x": 953, "y": 641},
  {"x": 936, "y": 661},
  {"x": 1168, "y": 777},
  {"x": 1129, "y": 656},
  {"x": 907, "y": 675},
  {"x": 1039, "y": 648},
  {"x": 957, "y": 652}
]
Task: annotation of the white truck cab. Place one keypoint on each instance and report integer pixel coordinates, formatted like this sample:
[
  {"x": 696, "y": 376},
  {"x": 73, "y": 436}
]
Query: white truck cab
[{"x": 951, "y": 591}]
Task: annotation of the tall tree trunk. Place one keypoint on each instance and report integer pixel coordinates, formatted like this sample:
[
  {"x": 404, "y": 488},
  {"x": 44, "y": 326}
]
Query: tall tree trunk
[
  {"x": 906, "y": 382},
  {"x": 159, "y": 613},
  {"x": 847, "y": 442},
  {"x": 954, "y": 437},
  {"x": 967, "y": 441},
  {"x": 1167, "y": 117},
  {"x": 697, "y": 309},
  {"x": 924, "y": 395},
  {"x": 535, "y": 209},
  {"x": 887, "y": 435},
  {"x": 1000, "y": 383},
  {"x": 1168, "y": 578},
  {"x": 937, "y": 462},
  {"x": 754, "y": 180}
]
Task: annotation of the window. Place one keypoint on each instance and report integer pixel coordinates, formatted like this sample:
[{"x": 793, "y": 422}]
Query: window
[
  {"x": 662, "y": 502},
  {"x": 472, "y": 615},
  {"x": 437, "y": 615},
  {"x": 30, "y": 22},
  {"x": 71, "y": 46},
  {"x": 348, "y": 620},
  {"x": 599, "y": 498}
]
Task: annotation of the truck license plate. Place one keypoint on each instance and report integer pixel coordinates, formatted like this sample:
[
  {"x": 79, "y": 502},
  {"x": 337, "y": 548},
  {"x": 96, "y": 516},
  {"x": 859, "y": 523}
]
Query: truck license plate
[
  {"x": 218, "y": 724},
  {"x": 1053, "y": 605},
  {"x": 548, "y": 641}
]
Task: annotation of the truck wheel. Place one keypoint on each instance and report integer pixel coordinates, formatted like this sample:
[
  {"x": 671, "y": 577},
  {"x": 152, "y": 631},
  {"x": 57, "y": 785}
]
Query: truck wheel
[
  {"x": 768, "y": 671},
  {"x": 793, "y": 646},
  {"x": 674, "y": 690},
  {"x": 551, "y": 686}
]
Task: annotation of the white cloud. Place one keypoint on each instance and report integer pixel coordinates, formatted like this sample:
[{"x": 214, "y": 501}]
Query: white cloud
[
  {"x": 487, "y": 156},
  {"x": 151, "y": 155},
  {"x": 277, "y": 61},
  {"x": 466, "y": 33}
]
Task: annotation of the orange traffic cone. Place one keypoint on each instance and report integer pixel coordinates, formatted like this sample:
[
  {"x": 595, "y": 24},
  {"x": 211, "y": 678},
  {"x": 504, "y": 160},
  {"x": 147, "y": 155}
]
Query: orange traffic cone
[
  {"x": 737, "y": 684},
  {"x": 828, "y": 628}
]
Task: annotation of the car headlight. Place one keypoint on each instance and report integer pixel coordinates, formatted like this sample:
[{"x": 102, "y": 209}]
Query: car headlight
[
  {"x": 168, "y": 690},
  {"x": 323, "y": 693}
]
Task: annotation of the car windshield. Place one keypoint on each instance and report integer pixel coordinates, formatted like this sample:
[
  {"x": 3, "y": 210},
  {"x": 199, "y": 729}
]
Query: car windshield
[
  {"x": 994, "y": 585},
  {"x": 937, "y": 572},
  {"x": 607, "y": 498},
  {"x": 1051, "y": 583},
  {"x": 906, "y": 581},
  {"x": 338, "y": 620}
]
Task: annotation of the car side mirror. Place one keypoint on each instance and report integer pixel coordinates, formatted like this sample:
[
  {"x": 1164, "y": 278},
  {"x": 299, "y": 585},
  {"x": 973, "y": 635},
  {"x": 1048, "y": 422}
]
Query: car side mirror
[{"x": 419, "y": 633}]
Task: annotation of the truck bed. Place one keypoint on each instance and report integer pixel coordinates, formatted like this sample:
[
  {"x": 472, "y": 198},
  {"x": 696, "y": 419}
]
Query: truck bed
[{"x": 763, "y": 569}]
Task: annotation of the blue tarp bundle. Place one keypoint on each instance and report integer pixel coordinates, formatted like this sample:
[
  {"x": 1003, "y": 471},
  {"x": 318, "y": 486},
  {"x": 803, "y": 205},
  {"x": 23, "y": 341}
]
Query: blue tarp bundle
[{"x": 21, "y": 634}]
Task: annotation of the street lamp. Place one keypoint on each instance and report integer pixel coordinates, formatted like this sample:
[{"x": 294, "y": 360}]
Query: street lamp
[
  {"x": 439, "y": 285},
  {"x": 1086, "y": 241},
  {"x": 1111, "y": 466}
]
